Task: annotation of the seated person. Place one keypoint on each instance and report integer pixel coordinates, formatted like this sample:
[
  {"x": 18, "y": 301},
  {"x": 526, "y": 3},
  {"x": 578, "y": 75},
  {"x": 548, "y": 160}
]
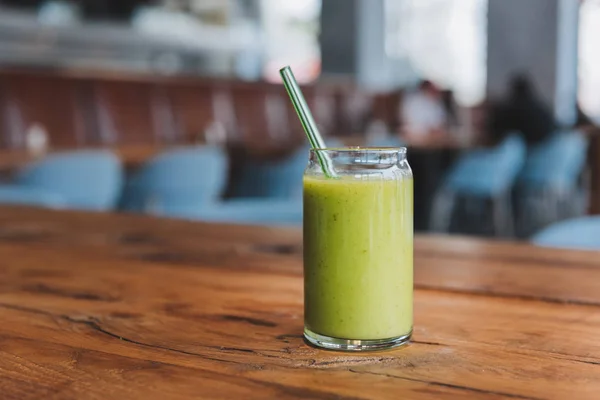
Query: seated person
[
  {"x": 423, "y": 112},
  {"x": 521, "y": 111}
]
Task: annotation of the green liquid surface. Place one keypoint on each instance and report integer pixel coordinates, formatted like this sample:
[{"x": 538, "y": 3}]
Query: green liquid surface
[{"x": 358, "y": 257}]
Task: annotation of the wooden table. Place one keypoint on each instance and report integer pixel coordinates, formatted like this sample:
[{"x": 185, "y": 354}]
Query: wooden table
[{"x": 98, "y": 306}]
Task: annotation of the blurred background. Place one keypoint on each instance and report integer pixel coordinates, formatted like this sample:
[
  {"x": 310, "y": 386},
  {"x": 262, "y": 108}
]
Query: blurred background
[{"x": 175, "y": 107}]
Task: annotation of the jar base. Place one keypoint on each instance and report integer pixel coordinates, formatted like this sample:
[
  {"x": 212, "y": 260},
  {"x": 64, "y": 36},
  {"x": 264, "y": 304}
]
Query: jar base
[{"x": 331, "y": 343}]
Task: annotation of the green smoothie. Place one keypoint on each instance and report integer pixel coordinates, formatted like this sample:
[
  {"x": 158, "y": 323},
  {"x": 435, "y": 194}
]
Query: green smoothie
[{"x": 358, "y": 257}]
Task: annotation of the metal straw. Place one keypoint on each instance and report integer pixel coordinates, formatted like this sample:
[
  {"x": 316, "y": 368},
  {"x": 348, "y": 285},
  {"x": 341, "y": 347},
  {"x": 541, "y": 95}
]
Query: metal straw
[{"x": 308, "y": 123}]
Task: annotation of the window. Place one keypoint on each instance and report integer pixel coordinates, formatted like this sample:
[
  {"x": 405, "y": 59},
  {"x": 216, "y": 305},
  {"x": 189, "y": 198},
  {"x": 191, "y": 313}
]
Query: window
[
  {"x": 443, "y": 41},
  {"x": 589, "y": 58},
  {"x": 291, "y": 37}
]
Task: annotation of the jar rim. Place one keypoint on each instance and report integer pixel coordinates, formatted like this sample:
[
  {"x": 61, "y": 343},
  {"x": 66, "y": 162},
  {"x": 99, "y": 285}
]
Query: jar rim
[{"x": 361, "y": 148}]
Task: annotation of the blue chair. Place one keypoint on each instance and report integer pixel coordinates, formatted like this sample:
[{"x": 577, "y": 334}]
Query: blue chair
[
  {"x": 184, "y": 178},
  {"x": 272, "y": 179},
  {"x": 87, "y": 180},
  {"x": 245, "y": 211},
  {"x": 24, "y": 196},
  {"x": 485, "y": 174},
  {"x": 577, "y": 233},
  {"x": 557, "y": 163},
  {"x": 549, "y": 187},
  {"x": 275, "y": 179}
]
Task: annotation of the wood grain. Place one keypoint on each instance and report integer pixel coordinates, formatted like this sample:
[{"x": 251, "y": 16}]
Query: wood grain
[{"x": 99, "y": 306}]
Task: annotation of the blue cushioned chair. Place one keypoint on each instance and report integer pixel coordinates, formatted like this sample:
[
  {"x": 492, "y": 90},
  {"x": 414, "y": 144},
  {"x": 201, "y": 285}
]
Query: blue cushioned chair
[
  {"x": 270, "y": 212},
  {"x": 280, "y": 179},
  {"x": 19, "y": 195},
  {"x": 577, "y": 233},
  {"x": 185, "y": 178},
  {"x": 557, "y": 162},
  {"x": 549, "y": 186},
  {"x": 485, "y": 174},
  {"x": 88, "y": 180}
]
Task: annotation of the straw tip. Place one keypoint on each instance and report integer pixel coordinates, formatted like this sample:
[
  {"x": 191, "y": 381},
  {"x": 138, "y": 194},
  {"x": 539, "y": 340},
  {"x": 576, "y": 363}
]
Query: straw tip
[{"x": 286, "y": 68}]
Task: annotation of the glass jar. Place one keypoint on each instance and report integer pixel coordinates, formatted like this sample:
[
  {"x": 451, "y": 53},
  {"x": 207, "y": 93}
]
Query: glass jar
[{"x": 358, "y": 249}]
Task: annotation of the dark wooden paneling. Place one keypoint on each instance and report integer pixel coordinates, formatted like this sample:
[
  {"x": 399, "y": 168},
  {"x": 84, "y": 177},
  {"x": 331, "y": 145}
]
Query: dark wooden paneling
[
  {"x": 322, "y": 101},
  {"x": 193, "y": 107},
  {"x": 125, "y": 112},
  {"x": 386, "y": 108},
  {"x": 50, "y": 102},
  {"x": 261, "y": 114},
  {"x": 355, "y": 108},
  {"x": 90, "y": 109}
]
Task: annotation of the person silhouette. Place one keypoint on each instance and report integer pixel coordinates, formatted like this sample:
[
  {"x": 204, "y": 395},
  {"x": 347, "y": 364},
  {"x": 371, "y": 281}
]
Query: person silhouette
[{"x": 521, "y": 111}]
